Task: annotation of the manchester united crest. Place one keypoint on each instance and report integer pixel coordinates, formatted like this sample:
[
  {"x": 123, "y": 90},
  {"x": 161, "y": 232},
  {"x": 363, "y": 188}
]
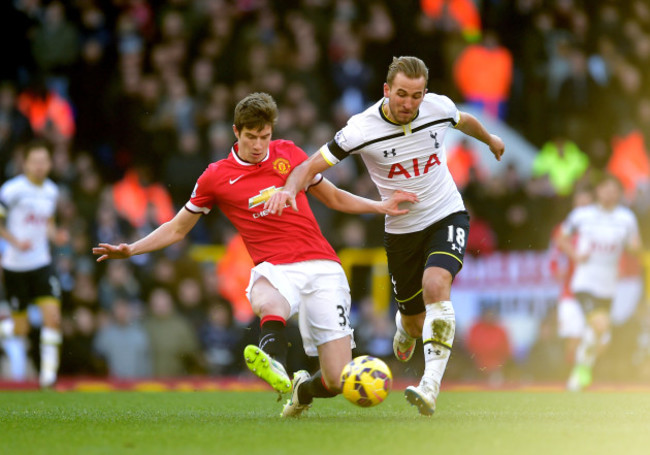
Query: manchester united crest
[{"x": 282, "y": 166}]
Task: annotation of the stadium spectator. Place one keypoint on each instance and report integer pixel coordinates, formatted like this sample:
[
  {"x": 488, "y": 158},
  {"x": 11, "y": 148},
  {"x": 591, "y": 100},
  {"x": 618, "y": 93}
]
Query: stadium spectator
[
  {"x": 49, "y": 114},
  {"x": 488, "y": 343},
  {"x": 78, "y": 332},
  {"x": 173, "y": 342},
  {"x": 123, "y": 344},
  {"x": 15, "y": 128},
  {"x": 483, "y": 74},
  {"x": 562, "y": 162},
  {"x": 141, "y": 200},
  {"x": 222, "y": 340}
]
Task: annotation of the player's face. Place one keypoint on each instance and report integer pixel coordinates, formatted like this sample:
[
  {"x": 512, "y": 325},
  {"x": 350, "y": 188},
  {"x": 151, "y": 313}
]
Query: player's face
[
  {"x": 253, "y": 144},
  {"x": 37, "y": 165},
  {"x": 404, "y": 97},
  {"x": 608, "y": 194}
]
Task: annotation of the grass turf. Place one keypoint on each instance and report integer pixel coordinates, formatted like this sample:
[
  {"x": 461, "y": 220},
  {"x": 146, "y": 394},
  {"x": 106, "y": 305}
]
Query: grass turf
[{"x": 504, "y": 422}]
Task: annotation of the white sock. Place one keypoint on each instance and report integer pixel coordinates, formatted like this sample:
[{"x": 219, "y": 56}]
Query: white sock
[
  {"x": 16, "y": 351},
  {"x": 437, "y": 337},
  {"x": 586, "y": 351},
  {"x": 400, "y": 327},
  {"x": 6, "y": 327},
  {"x": 50, "y": 342}
]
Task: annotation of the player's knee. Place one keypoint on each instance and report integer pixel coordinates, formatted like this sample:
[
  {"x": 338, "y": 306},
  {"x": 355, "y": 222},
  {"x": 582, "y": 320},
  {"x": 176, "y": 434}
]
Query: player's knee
[
  {"x": 600, "y": 322},
  {"x": 436, "y": 284},
  {"x": 270, "y": 308},
  {"x": 51, "y": 311}
]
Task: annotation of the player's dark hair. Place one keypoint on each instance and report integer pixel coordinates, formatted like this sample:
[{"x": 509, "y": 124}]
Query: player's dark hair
[
  {"x": 255, "y": 111},
  {"x": 35, "y": 144},
  {"x": 609, "y": 177},
  {"x": 411, "y": 67}
]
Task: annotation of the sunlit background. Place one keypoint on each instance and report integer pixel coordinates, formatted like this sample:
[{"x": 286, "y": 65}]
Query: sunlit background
[{"x": 137, "y": 97}]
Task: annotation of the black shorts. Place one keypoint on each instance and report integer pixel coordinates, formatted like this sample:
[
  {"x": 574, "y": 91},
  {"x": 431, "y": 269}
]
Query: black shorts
[
  {"x": 440, "y": 245},
  {"x": 590, "y": 303},
  {"x": 23, "y": 288}
]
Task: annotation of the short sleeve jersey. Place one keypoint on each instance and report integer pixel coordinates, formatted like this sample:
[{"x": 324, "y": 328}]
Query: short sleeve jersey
[
  {"x": 240, "y": 189},
  {"x": 28, "y": 208},
  {"x": 408, "y": 157},
  {"x": 602, "y": 235}
]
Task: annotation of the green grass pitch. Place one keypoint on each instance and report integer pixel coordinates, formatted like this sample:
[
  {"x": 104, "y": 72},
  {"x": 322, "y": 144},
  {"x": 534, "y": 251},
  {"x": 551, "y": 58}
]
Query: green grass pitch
[{"x": 231, "y": 422}]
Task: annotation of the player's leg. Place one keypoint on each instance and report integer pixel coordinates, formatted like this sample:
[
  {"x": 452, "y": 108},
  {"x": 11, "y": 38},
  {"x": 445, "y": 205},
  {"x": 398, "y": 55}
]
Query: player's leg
[
  {"x": 50, "y": 340},
  {"x": 446, "y": 246},
  {"x": 325, "y": 383},
  {"x": 16, "y": 327},
  {"x": 46, "y": 293},
  {"x": 405, "y": 266},
  {"x": 325, "y": 329},
  {"x": 594, "y": 341},
  {"x": 268, "y": 359},
  {"x": 437, "y": 338},
  {"x": 408, "y": 330},
  {"x": 16, "y": 346},
  {"x": 571, "y": 325}
]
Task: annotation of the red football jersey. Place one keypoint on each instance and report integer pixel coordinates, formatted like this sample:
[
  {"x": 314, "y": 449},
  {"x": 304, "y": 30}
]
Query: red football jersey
[{"x": 240, "y": 189}]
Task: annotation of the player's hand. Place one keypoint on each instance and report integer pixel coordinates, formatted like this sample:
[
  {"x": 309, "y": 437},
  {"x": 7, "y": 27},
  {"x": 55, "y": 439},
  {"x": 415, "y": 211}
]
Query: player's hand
[
  {"x": 497, "y": 147},
  {"x": 279, "y": 201},
  {"x": 23, "y": 245},
  {"x": 580, "y": 258},
  {"x": 108, "y": 251},
  {"x": 391, "y": 207}
]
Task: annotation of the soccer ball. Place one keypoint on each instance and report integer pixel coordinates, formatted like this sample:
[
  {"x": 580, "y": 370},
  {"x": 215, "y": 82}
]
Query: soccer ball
[{"x": 366, "y": 381}]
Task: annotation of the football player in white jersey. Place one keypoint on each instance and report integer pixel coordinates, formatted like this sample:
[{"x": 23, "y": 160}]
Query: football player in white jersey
[
  {"x": 401, "y": 140},
  {"x": 28, "y": 203},
  {"x": 603, "y": 230}
]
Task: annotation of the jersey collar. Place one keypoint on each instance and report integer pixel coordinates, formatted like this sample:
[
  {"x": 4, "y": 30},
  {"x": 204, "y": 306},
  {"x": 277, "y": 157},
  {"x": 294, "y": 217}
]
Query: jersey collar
[
  {"x": 383, "y": 115},
  {"x": 235, "y": 156}
]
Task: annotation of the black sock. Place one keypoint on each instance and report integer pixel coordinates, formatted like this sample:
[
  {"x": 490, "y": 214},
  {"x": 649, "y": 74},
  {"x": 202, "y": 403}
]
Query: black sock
[
  {"x": 273, "y": 340},
  {"x": 313, "y": 388}
]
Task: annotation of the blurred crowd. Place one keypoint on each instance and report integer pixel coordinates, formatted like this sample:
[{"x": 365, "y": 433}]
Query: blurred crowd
[{"x": 136, "y": 98}]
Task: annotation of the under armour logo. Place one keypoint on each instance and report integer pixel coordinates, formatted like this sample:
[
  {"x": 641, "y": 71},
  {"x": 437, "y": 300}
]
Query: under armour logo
[
  {"x": 391, "y": 153},
  {"x": 457, "y": 248},
  {"x": 434, "y": 136}
]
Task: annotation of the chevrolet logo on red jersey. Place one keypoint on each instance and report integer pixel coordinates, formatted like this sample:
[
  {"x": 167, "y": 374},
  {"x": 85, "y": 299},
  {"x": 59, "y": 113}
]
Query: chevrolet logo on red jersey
[{"x": 264, "y": 196}]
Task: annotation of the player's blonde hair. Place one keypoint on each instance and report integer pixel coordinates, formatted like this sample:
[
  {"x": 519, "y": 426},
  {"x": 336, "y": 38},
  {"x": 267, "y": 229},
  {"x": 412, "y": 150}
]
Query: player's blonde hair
[
  {"x": 255, "y": 111},
  {"x": 411, "y": 67}
]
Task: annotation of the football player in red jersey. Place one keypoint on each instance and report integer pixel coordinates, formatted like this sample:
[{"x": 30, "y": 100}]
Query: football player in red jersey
[{"x": 296, "y": 270}]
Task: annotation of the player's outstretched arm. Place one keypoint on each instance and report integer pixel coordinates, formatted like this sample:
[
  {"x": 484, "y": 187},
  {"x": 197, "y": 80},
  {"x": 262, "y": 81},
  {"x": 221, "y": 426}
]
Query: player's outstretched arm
[
  {"x": 338, "y": 199},
  {"x": 471, "y": 126},
  {"x": 298, "y": 179},
  {"x": 165, "y": 235}
]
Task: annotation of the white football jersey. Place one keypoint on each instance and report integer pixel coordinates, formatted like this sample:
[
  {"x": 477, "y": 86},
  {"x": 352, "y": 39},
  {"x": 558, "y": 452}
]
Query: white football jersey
[
  {"x": 602, "y": 235},
  {"x": 408, "y": 157},
  {"x": 28, "y": 207}
]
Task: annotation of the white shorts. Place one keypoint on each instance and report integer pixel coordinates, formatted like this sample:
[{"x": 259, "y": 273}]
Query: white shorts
[
  {"x": 629, "y": 292},
  {"x": 319, "y": 292},
  {"x": 571, "y": 321}
]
